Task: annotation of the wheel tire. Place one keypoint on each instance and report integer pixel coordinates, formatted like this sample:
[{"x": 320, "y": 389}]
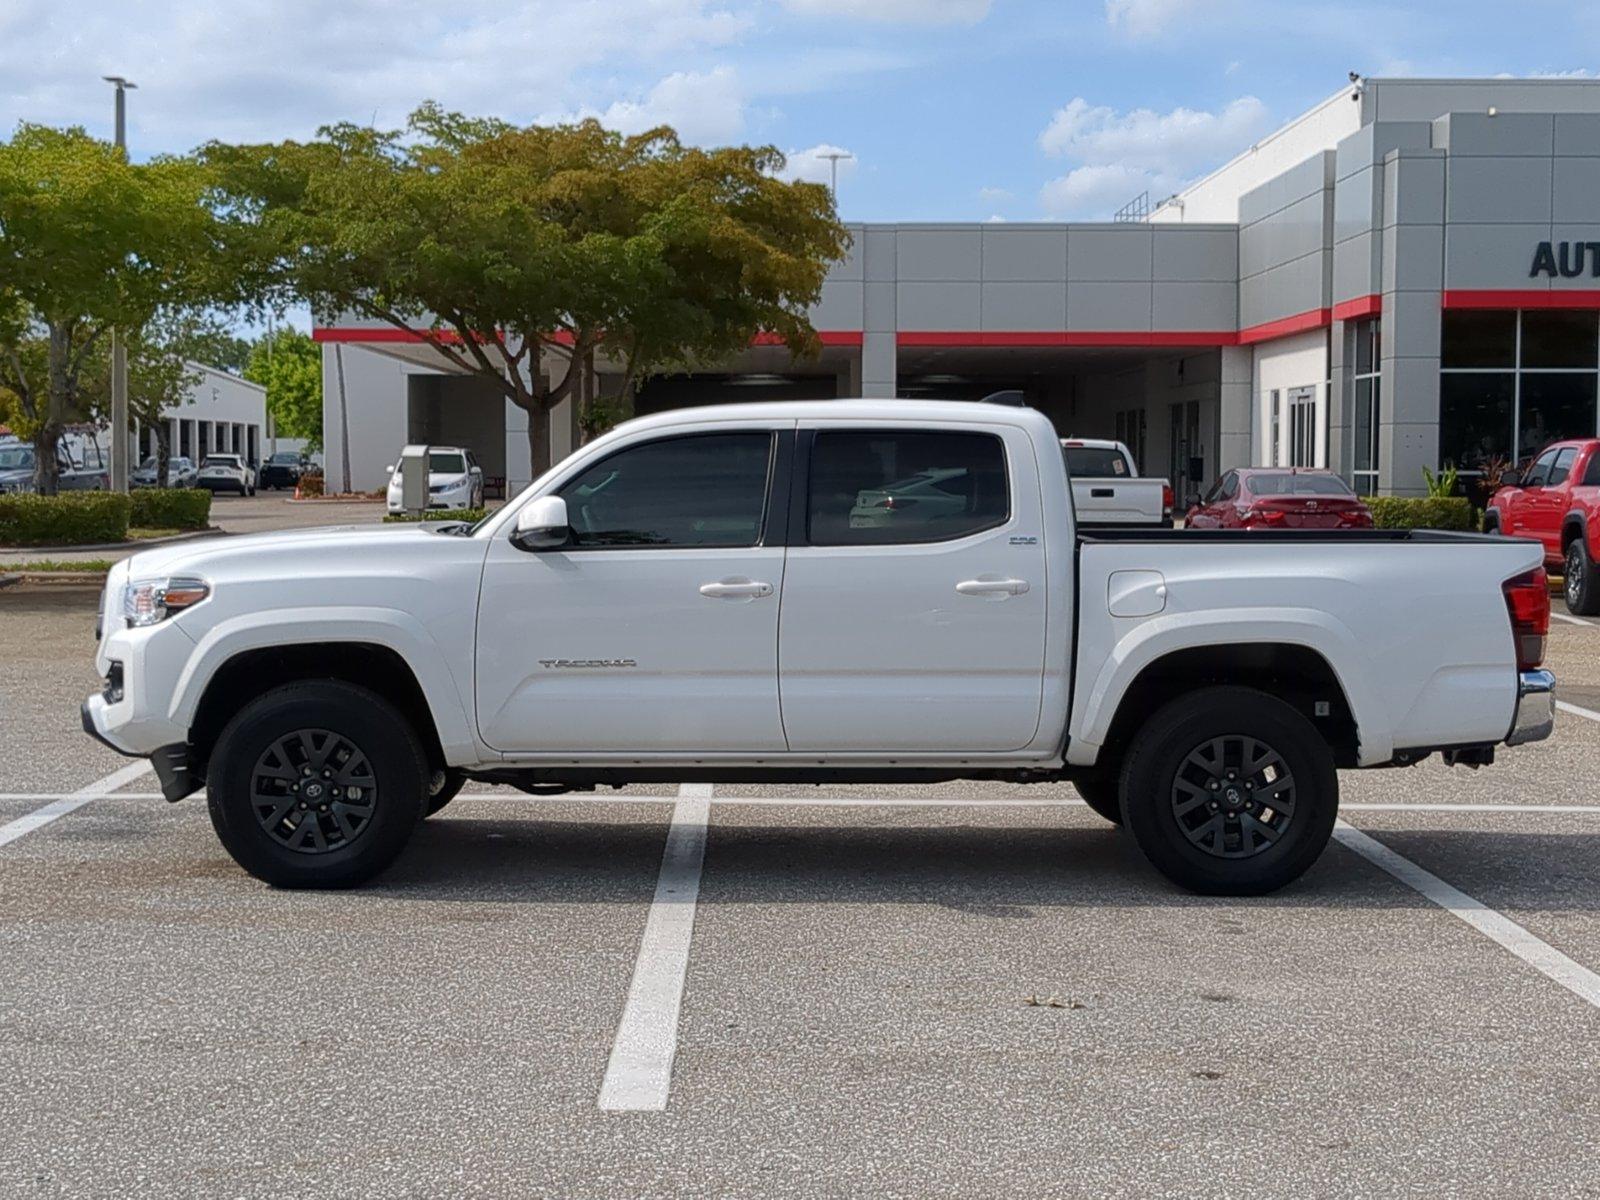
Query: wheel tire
[
  {"x": 1103, "y": 794},
  {"x": 442, "y": 788},
  {"x": 1582, "y": 591},
  {"x": 1491, "y": 523},
  {"x": 1162, "y": 754},
  {"x": 394, "y": 762}
]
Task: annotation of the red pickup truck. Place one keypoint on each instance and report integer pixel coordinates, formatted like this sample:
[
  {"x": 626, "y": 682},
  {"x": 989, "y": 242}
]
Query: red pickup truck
[{"x": 1557, "y": 501}]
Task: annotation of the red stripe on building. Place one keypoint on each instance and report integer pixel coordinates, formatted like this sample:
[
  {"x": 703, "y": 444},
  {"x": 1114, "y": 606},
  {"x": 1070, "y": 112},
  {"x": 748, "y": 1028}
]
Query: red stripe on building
[
  {"x": 1316, "y": 318},
  {"x": 1361, "y": 306},
  {"x": 1520, "y": 298},
  {"x": 1000, "y": 337},
  {"x": 390, "y": 335}
]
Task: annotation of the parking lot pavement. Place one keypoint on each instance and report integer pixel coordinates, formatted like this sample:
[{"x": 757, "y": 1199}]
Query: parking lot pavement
[{"x": 969, "y": 989}]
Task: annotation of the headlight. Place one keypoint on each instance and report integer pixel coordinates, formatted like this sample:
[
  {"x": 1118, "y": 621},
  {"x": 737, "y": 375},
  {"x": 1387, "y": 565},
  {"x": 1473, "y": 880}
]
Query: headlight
[{"x": 151, "y": 601}]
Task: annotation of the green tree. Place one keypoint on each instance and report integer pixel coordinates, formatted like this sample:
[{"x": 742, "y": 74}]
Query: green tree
[
  {"x": 289, "y": 366},
  {"x": 90, "y": 242},
  {"x": 518, "y": 252}
]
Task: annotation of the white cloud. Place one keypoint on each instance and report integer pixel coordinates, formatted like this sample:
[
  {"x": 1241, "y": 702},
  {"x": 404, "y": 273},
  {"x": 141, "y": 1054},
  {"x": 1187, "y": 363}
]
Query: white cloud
[
  {"x": 260, "y": 69},
  {"x": 993, "y": 195},
  {"x": 907, "y": 12},
  {"x": 705, "y": 108},
  {"x": 813, "y": 166},
  {"x": 1146, "y": 18},
  {"x": 1118, "y": 155}
]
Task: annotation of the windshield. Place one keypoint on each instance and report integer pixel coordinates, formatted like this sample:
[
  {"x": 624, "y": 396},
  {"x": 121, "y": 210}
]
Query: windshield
[
  {"x": 1299, "y": 485},
  {"x": 447, "y": 464},
  {"x": 1095, "y": 462},
  {"x": 16, "y": 458},
  {"x": 285, "y": 457}
]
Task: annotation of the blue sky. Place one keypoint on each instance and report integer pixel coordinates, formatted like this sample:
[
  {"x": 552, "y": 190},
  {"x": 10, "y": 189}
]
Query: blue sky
[{"x": 954, "y": 109}]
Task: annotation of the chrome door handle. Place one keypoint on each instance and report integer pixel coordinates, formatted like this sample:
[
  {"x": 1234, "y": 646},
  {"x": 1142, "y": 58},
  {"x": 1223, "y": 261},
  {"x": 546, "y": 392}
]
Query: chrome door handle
[
  {"x": 735, "y": 589},
  {"x": 992, "y": 587}
]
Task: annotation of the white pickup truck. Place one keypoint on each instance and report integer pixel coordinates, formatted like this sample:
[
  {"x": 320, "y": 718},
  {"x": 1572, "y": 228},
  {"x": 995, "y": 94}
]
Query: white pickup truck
[
  {"x": 884, "y": 591},
  {"x": 1107, "y": 488}
]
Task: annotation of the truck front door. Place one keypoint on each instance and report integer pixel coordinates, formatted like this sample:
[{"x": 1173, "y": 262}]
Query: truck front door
[
  {"x": 655, "y": 629},
  {"x": 913, "y": 614}
]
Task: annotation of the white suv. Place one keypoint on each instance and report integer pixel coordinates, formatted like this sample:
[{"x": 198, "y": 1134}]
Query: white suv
[
  {"x": 226, "y": 473},
  {"x": 455, "y": 480}
]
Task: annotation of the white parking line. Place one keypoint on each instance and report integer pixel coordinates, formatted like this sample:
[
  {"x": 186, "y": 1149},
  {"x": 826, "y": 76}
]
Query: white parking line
[
  {"x": 639, "y": 1075},
  {"x": 1576, "y": 711},
  {"x": 1534, "y": 951},
  {"x": 63, "y": 804},
  {"x": 1555, "y": 616}
]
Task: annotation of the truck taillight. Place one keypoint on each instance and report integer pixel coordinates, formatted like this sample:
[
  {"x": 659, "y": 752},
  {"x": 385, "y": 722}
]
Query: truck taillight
[
  {"x": 1166, "y": 499},
  {"x": 1528, "y": 603}
]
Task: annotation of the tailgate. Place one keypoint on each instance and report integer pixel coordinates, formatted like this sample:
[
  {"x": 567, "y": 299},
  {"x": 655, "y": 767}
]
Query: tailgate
[{"x": 1111, "y": 501}]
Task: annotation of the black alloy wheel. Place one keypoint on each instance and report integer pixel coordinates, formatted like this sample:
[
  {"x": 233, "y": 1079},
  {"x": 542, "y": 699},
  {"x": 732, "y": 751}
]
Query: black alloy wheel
[
  {"x": 314, "y": 791},
  {"x": 1233, "y": 796}
]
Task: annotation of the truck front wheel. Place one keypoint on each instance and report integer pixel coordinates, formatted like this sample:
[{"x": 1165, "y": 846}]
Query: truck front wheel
[
  {"x": 316, "y": 785},
  {"x": 1230, "y": 792}
]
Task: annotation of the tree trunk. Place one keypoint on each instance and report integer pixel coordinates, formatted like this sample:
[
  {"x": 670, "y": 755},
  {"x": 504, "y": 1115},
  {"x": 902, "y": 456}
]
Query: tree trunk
[
  {"x": 47, "y": 469},
  {"x": 539, "y": 439},
  {"x": 163, "y": 453}
]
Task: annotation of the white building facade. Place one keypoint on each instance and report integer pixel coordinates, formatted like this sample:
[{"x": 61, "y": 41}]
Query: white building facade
[{"x": 1406, "y": 276}]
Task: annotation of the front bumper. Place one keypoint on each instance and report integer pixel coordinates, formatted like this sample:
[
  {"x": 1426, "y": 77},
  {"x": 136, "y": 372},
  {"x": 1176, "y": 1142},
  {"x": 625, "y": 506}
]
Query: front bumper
[{"x": 1535, "y": 718}]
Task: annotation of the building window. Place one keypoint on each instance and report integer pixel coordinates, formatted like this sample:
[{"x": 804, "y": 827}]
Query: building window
[
  {"x": 1364, "y": 452},
  {"x": 1514, "y": 381}
]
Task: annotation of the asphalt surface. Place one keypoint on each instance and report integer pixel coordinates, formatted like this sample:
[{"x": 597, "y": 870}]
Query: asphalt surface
[{"x": 981, "y": 996}]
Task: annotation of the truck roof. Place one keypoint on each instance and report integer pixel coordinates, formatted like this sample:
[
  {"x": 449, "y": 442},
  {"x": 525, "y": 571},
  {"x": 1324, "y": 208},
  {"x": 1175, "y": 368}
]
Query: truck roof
[{"x": 861, "y": 409}]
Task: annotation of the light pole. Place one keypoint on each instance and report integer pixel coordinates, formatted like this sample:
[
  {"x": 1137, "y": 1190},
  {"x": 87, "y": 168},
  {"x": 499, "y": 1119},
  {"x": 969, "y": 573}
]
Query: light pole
[
  {"x": 119, "y": 350},
  {"x": 833, "y": 158}
]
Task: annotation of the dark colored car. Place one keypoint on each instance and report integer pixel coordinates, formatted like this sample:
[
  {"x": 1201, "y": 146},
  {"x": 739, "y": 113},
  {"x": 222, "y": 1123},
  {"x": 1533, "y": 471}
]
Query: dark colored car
[
  {"x": 1557, "y": 501},
  {"x": 283, "y": 470},
  {"x": 1278, "y": 498}
]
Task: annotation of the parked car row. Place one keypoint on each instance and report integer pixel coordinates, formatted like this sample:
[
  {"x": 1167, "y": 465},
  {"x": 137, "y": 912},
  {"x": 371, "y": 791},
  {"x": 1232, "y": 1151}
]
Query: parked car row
[{"x": 181, "y": 473}]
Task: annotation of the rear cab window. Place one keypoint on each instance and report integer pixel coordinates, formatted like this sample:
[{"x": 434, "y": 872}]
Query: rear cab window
[
  {"x": 1095, "y": 462},
  {"x": 873, "y": 488}
]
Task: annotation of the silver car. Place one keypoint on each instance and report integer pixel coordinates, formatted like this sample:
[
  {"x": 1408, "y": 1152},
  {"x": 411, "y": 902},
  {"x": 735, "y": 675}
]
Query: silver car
[{"x": 181, "y": 473}]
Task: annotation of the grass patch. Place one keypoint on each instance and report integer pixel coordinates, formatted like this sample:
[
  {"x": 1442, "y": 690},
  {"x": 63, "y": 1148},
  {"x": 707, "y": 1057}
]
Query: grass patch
[
  {"x": 140, "y": 533},
  {"x": 470, "y": 515},
  {"x": 41, "y": 566}
]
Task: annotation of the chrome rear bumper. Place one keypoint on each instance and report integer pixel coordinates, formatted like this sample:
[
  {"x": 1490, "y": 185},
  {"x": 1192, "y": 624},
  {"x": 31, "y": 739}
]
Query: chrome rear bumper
[{"x": 1535, "y": 718}]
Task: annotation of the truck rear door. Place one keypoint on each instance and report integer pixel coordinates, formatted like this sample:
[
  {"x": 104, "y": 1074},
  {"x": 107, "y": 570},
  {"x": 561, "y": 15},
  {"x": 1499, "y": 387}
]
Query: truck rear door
[{"x": 913, "y": 606}]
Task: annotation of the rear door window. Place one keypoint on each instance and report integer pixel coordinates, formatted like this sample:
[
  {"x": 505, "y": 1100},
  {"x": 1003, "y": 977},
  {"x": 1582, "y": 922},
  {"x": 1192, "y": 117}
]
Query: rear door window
[
  {"x": 870, "y": 488},
  {"x": 1563, "y": 466}
]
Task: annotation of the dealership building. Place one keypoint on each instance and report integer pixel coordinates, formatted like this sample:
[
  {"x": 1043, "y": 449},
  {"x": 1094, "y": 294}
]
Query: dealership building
[{"x": 1406, "y": 276}]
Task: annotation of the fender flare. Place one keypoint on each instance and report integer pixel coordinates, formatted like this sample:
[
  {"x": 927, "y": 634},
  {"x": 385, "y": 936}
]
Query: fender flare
[
  {"x": 387, "y": 627},
  {"x": 1318, "y": 632}
]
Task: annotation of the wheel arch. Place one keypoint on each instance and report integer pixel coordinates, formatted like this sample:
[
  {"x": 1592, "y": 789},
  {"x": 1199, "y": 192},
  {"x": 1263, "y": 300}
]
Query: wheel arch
[
  {"x": 250, "y": 673},
  {"x": 1301, "y": 674},
  {"x": 1574, "y": 528},
  {"x": 387, "y": 651}
]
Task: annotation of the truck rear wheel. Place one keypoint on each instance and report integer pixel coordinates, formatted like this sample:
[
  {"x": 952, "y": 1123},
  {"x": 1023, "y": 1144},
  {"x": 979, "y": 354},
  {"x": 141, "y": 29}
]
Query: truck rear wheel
[
  {"x": 442, "y": 788},
  {"x": 1582, "y": 592},
  {"x": 1103, "y": 794},
  {"x": 316, "y": 785},
  {"x": 1230, "y": 792}
]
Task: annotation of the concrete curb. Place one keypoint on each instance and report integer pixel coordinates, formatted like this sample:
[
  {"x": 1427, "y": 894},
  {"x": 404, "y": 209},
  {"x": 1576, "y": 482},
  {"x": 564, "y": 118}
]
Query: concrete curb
[
  {"x": 90, "y": 581},
  {"x": 135, "y": 544}
]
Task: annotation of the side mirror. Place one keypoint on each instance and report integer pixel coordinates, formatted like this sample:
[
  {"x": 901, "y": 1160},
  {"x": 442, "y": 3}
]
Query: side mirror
[
  {"x": 1511, "y": 479},
  {"x": 389, "y": 470},
  {"x": 1192, "y": 500},
  {"x": 542, "y": 525}
]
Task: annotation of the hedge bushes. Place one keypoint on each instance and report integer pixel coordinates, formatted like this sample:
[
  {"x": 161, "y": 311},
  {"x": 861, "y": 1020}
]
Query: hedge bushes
[
  {"x": 1422, "y": 512},
  {"x": 469, "y": 515},
  {"x": 171, "y": 508},
  {"x": 71, "y": 519}
]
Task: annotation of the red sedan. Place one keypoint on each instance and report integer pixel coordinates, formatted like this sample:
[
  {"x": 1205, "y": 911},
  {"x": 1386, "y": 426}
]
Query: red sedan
[{"x": 1278, "y": 498}]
